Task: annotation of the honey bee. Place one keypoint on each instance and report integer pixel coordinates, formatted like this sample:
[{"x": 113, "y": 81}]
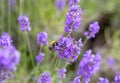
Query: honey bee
[{"x": 52, "y": 45}]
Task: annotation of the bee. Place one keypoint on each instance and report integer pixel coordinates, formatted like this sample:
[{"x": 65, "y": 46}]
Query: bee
[{"x": 52, "y": 45}]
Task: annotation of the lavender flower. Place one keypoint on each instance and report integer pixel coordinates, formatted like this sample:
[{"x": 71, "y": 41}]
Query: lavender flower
[
  {"x": 5, "y": 40},
  {"x": 73, "y": 17},
  {"x": 76, "y": 51},
  {"x": 42, "y": 38},
  {"x": 89, "y": 65},
  {"x": 61, "y": 73},
  {"x": 67, "y": 49},
  {"x": 74, "y": 2},
  {"x": 9, "y": 58},
  {"x": 15, "y": 55},
  {"x": 103, "y": 80},
  {"x": 45, "y": 78},
  {"x": 4, "y": 74},
  {"x": 111, "y": 61},
  {"x": 60, "y": 4},
  {"x": 12, "y": 4},
  {"x": 40, "y": 58},
  {"x": 24, "y": 23},
  {"x": 94, "y": 28},
  {"x": 117, "y": 78},
  {"x": 64, "y": 48},
  {"x": 77, "y": 80}
]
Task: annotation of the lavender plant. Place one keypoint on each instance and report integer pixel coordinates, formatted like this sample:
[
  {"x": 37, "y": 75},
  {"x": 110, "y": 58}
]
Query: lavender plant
[
  {"x": 9, "y": 58},
  {"x": 67, "y": 51},
  {"x": 68, "y": 48}
]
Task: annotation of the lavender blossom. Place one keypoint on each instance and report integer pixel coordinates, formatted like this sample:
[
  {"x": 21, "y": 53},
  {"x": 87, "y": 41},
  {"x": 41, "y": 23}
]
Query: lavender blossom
[
  {"x": 94, "y": 28},
  {"x": 73, "y": 17},
  {"x": 77, "y": 80},
  {"x": 67, "y": 49},
  {"x": 45, "y": 78},
  {"x": 12, "y": 4},
  {"x": 60, "y": 4},
  {"x": 74, "y": 2},
  {"x": 117, "y": 78},
  {"x": 5, "y": 74},
  {"x": 9, "y": 59},
  {"x": 24, "y": 23},
  {"x": 89, "y": 65},
  {"x": 15, "y": 55},
  {"x": 42, "y": 38},
  {"x": 40, "y": 58},
  {"x": 111, "y": 61},
  {"x": 5, "y": 40},
  {"x": 103, "y": 80},
  {"x": 61, "y": 73},
  {"x": 76, "y": 51}
]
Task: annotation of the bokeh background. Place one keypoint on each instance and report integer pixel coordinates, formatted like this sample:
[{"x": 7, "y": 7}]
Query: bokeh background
[{"x": 45, "y": 16}]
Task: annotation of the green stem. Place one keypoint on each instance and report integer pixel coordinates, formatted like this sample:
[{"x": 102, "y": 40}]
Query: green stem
[
  {"x": 3, "y": 15},
  {"x": 40, "y": 49},
  {"x": 9, "y": 18},
  {"x": 66, "y": 65},
  {"x": 59, "y": 62},
  {"x": 29, "y": 47},
  {"x": 55, "y": 63},
  {"x": 21, "y": 6},
  {"x": 32, "y": 72},
  {"x": 53, "y": 60},
  {"x": 53, "y": 67},
  {"x": 85, "y": 41}
]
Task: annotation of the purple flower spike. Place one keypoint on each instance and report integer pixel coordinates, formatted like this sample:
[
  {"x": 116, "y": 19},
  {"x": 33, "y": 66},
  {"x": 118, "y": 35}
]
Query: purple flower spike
[
  {"x": 103, "y": 80},
  {"x": 5, "y": 40},
  {"x": 117, "y": 78},
  {"x": 24, "y": 23},
  {"x": 40, "y": 58},
  {"x": 94, "y": 28},
  {"x": 73, "y": 18},
  {"x": 111, "y": 61},
  {"x": 89, "y": 65},
  {"x": 74, "y": 2},
  {"x": 60, "y": 4},
  {"x": 9, "y": 59},
  {"x": 12, "y": 4},
  {"x": 69, "y": 50},
  {"x": 65, "y": 48},
  {"x": 42, "y": 38},
  {"x": 77, "y": 80},
  {"x": 61, "y": 73},
  {"x": 45, "y": 78}
]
